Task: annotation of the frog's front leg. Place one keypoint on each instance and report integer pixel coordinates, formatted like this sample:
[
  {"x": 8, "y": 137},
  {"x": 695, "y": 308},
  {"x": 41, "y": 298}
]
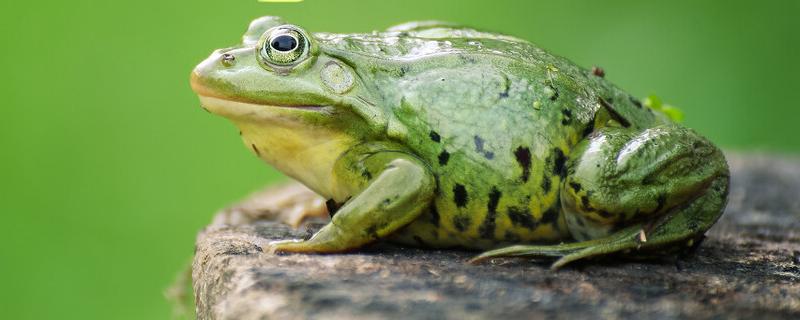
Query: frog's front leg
[
  {"x": 388, "y": 189},
  {"x": 628, "y": 190}
]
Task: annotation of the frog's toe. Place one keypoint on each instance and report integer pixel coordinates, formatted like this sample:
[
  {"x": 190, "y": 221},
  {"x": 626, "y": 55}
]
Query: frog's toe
[
  {"x": 305, "y": 246},
  {"x": 523, "y": 251},
  {"x": 329, "y": 239},
  {"x": 285, "y": 246},
  {"x": 567, "y": 252}
]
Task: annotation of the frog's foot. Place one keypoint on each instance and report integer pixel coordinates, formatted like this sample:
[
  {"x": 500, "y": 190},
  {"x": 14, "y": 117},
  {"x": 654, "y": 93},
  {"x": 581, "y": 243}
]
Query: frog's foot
[
  {"x": 387, "y": 201},
  {"x": 566, "y": 252},
  {"x": 637, "y": 193},
  {"x": 627, "y": 241},
  {"x": 329, "y": 239}
]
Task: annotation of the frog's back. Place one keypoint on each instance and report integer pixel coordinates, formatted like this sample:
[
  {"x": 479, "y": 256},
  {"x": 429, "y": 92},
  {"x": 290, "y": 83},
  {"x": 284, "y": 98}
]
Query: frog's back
[{"x": 496, "y": 118}]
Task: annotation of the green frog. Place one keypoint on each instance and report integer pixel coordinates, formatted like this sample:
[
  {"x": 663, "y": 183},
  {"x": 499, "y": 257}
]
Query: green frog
[{"x": 439, "y": 135}]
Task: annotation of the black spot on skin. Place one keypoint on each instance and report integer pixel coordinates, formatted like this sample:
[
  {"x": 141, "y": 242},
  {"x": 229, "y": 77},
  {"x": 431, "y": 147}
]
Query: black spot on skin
[
  {"x": 504, "y": 94},
  {"x": 567, "y": 116},
  {"x": 403, "y": 70},
  {"x": 546, "y": 183},
  {"x": 661, "y": 201},
  {"x": 420, "y": 242},
  {"x": 551, "y": 215},
  {"x": 332, "y": 207},
  {"x": 511, "y": 237},
  {"x": 585, "y": 203},
  {"x": 555, "y": 93},
  {"x": 460, "y": 196},
  {"x": 467, "y": 59},
  {"x": 435, "y": 218},
  {"x": 575, "y": 186},
  {"x": 366, "y": 174},
  {"x": 523, "y": 156},
  {"x": 635, "y": 102},
  {"x": 444, "y": 157},
  {"x": 559, "y": 163},
  {"x": 435, "y": 136},
  {"x": 479, "y": 144},
  {"x": 486, "y": 230},
  {"x": 461, "y": 222},
  {"x": 650, "y": 179},
  {"x": 372, "y": 231},
  {"x": 240, "y": 132},
  {"x": 255, "y": 149},
  {"x": 605, "y": 214},
  {"x": 589, "y": 128},
  {"x": 494, "y": 200},
  {"x": 521, "y": 217}
]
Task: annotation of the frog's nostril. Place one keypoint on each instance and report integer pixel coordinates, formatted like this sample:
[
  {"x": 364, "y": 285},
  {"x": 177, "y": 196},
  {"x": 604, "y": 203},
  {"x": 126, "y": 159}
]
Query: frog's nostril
[{"x": 228, "y": 59}]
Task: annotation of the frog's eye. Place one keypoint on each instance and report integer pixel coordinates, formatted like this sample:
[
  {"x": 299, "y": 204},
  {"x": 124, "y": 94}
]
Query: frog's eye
[{"x": 283, "y": 46}]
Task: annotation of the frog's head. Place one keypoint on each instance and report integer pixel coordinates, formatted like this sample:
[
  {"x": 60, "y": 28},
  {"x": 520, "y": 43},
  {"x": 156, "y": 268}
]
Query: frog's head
[
  {"x": 297, "y": 107},
  {"x": 277, "y": 65}
]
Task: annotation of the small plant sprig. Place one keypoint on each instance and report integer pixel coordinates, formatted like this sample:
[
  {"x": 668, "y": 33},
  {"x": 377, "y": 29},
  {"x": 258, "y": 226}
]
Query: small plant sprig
[{"x": 654, "y": 102}]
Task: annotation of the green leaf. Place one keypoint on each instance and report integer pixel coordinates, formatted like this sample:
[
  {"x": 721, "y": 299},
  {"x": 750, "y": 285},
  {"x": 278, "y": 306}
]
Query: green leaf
[{"x": 654, "y": 102}]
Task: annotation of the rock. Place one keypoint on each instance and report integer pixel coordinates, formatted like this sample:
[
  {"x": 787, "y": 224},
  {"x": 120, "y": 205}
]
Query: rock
[{"x": 748, "y": 267}]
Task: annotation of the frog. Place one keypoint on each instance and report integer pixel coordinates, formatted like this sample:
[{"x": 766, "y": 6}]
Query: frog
[{"x": 438, "y": 135}]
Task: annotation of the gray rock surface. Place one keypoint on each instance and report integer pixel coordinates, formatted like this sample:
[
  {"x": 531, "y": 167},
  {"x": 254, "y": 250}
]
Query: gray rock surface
[{"x": 748, "y": 267}]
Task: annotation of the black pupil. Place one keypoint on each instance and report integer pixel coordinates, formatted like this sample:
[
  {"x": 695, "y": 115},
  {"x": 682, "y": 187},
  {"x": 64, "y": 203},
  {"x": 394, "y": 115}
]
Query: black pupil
[{"x": 284, "y": 43}]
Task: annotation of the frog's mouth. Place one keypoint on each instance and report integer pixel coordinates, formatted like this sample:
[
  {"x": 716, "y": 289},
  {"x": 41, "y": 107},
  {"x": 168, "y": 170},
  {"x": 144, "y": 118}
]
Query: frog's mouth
[
  {"x": 233, "y": 108},
  {"x": 226, "y": 106}
]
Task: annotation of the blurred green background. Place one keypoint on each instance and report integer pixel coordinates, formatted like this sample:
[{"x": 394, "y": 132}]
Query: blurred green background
[{"x": 109, "y": 167}]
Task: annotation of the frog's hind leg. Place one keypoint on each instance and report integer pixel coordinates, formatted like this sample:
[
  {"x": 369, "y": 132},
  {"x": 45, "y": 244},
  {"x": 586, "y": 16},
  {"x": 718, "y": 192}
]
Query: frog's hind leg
[{"x": 636, "y": 192}]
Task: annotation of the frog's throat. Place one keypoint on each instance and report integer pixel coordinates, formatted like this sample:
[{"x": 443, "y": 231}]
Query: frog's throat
[{"x": 281, "y": 137}]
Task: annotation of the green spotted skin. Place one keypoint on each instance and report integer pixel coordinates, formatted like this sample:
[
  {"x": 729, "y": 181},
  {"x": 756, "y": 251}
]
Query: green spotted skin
[
  {"x": 496, "y": 131},
  {"x": 438, "y": 135}
]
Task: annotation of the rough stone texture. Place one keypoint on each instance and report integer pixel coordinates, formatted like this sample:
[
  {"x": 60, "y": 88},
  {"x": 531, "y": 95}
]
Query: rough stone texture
[{"x": 748, "y": 267}]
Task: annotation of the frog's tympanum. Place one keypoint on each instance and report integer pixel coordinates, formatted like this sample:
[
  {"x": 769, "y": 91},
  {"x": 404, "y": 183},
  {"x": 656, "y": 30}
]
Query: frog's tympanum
[{"x": 438, "y": 135}]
